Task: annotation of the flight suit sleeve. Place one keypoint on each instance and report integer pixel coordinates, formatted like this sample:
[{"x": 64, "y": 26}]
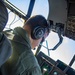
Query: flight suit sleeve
[
  {"x": 3, "y": 16},
  {"x": 5, "y": 49},
  {"x": 35, "y": 71},
  {"x": 32, "y": 71},
  {"x": 28, "y": 65}
]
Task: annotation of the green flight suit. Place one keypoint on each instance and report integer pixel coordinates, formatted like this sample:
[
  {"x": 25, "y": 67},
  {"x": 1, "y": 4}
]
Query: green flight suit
[{"x": 22, "y": 61}]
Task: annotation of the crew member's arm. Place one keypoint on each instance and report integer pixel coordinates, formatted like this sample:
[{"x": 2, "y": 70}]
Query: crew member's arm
[{"x": 5, "y": 49}]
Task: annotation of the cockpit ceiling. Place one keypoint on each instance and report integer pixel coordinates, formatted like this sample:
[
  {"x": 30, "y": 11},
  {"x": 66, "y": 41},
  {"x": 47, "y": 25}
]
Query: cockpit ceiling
[{"x": 64, "y": 13}]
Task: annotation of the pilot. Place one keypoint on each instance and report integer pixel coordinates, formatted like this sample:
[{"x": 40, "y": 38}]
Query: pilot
[{"x": 26, "y": 38}]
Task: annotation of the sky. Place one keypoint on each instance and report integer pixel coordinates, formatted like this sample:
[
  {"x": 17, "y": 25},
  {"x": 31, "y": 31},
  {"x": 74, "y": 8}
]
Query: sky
[{"x": 65, "y": 51}]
